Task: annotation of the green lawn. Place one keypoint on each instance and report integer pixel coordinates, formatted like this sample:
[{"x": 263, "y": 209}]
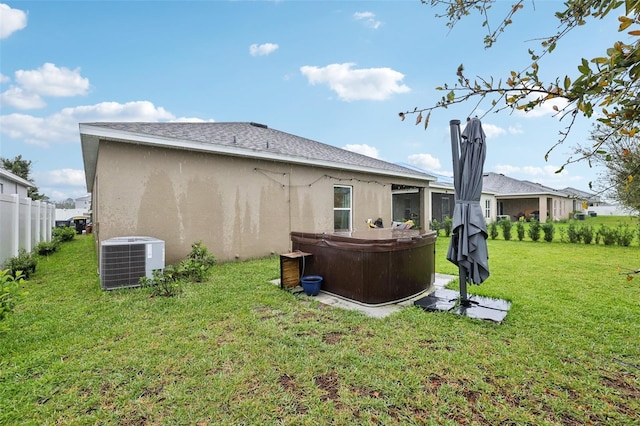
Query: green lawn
[{"x": 237, "y": 350}]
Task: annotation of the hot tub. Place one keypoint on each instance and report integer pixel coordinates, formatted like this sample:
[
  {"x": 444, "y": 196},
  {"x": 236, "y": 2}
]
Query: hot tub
[{"x": 374, "y": 266}]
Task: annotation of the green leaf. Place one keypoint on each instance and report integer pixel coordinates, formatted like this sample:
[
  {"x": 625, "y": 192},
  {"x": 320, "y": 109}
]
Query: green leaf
[{"x": 451, "y": 96}]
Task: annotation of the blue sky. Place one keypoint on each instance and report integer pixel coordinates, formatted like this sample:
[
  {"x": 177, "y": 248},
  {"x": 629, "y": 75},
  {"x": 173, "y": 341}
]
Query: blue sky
[{"x": 333, "y": 71}]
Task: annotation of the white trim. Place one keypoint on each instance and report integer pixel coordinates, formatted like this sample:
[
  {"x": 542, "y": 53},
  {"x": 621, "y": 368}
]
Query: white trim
[{"x": 349, "y": 209}]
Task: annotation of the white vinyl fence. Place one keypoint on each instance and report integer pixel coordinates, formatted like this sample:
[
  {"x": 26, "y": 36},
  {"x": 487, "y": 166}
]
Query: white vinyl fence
[{"x": 23, "y": 224}]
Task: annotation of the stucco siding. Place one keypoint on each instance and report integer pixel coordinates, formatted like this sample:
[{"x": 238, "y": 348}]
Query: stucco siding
[{"x": 238, "y": 207}]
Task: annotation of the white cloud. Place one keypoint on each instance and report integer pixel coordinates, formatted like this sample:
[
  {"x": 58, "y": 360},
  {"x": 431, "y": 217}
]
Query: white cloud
[
  {"x": 17, "y": 98},
  {"x": 262, "y": 49},
  {"x": 425, "y": 162},
  {"x": 492, "y": 131},
  {"x": 49, "y": 80},
  {"x": 61, "y": 177},
  {"x": 544, "y": 109},
  {"x": 357, "y": 84},
  {"x": 529, "y": 171},
  {"x": 364, "y": 149},
  {"x": 11, "y": 20},
  {"x": 368, "y": 18},
  {"x": 62, "y": 127},
  {"x": 4, "y": 78},
  {"x": 192, "y": 120},
  {"x": 516, "y": 129},
  {"x": 545, "y": 175}
]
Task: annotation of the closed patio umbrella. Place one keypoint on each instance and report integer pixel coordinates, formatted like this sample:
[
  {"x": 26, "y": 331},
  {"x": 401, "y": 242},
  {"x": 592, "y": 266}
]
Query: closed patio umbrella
[{"x": 468, "y": 245}]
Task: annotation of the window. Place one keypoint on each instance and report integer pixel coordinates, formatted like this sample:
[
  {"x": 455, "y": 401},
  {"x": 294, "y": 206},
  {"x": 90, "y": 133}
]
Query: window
[
  {"x": 342, "y": 208},
  {"x": 487, "y": 209}
]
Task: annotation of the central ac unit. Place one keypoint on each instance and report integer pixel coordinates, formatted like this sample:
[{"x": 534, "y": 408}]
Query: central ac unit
[{"x": 124, "y": 260}]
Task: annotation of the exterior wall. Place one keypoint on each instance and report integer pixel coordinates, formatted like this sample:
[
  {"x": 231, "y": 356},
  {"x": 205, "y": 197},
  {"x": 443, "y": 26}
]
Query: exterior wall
[
  {"x": 238, "y": 207},
  {"x": 83, "y": 203},
  {"x": 10, "y": 187}
]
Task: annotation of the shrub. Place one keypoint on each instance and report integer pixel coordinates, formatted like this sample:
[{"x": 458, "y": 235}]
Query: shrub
[
  {"x": 195, "y": 267},
  {"x": 534, "y": 230},
  {"x": 45, "y": 248},
  {"x": 563, "y": 234},
  {"x": 520, "y": 229},
  {"x": 624, "y": 236},
  {"x": 435, "y": 226},
  {"x": 573, "y": 232},
  {"x": 609, "y": 235},
  {"x": 23, "y": 263},
  {"x": 9, "y": 293},
  {"x": 505, "y": 224},
  {"x": 586, "y": 232},
  {"x": 64, "y": 233},
  {"x": 547, "y": 230},
  {"x": 163, "y": 283},
  {"x": 447, "y": 226},
  {"x": 493, "y": 230}
]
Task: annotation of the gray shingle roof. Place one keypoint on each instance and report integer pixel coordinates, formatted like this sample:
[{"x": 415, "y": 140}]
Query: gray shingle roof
[
  {"x": 576, "y": 193},
  {"x": 254, "y": 138},
  {"x": 504, "y": 185}
]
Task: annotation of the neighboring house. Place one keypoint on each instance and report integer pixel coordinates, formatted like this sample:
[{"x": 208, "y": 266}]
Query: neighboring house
[
  {"x": 517, "y": 198},
  {"x": 83, "y": 203},
  {"x": 13, "y": 184},
  {"x": 443, "y": 202},
  {"x": 581, "y": 197},
  {"x": 240, "y": 188}
]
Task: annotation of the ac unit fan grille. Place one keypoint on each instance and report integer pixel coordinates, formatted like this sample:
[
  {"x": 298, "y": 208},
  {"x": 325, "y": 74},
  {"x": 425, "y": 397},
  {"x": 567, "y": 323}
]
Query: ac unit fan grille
[{"x": 122, "y": 265}]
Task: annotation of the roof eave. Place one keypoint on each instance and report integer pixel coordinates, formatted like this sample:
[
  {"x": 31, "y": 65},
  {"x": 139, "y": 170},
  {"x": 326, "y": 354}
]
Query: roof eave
[
  {"x": 16, "y": 178},
  {"x": 91, "y": 135}
]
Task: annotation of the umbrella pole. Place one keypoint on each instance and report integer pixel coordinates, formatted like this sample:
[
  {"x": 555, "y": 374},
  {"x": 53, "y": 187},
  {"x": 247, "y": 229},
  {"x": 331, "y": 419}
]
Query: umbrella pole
[{"x": 462, "y": 273}]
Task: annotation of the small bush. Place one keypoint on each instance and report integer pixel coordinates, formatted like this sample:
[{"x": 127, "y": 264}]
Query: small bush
[
  {"x": 9, "y": 293},
  {"x": 45, "y": 248},
  {"x": 624, "y": 235},
  {"x": 195, "y": 267},
  {"x": 23, "y": 263},
  {"x": 64, "y": 233},
  {"x": 435, "y": 226},
  {"x": 586, "y": 232},
  {"x": 447, "y": 226},
  {"x": 493, "y": 230},
  {"x": 573, "y": 232},
  {"x": 506, "y": 225},
  {"x": 164, "y": 283},
  {"x": 520, "y": 229},
  {"x": 547, "y": 230},
  {"x": 534, "y": 230},
  {"x": 563, "y": 234},
  {"x": 609, "y": 235}
]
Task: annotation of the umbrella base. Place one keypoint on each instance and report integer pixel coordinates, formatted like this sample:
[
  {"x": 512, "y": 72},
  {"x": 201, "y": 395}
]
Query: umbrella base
[{"x": 476, "y": 307}]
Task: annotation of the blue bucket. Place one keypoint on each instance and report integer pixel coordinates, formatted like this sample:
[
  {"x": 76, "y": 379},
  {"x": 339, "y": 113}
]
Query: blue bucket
[{"x": 311, "y": 284}]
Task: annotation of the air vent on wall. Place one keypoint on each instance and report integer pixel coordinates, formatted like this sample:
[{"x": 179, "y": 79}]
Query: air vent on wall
[{"x": 124, "y": 260}]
